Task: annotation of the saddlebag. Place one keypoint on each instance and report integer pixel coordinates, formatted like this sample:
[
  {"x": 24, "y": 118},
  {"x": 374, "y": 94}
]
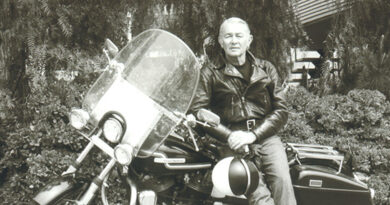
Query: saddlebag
[
  {"x": 317, "y": 182},
  {"x": 322, "y": 185}
]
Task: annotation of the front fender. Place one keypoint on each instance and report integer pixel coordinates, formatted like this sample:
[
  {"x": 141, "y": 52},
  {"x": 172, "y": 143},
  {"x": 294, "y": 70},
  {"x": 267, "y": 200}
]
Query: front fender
[{"x": 55, "y": 189}]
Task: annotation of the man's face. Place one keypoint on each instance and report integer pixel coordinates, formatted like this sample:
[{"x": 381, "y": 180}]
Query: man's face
[{"x": 235, "y": 39}]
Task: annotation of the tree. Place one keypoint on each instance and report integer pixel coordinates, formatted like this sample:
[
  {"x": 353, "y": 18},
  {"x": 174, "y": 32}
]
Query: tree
[
  {"x": 272, "y": 23},
  {"x": 41, "y": 38},
  {"x": 362, "y": 38}
]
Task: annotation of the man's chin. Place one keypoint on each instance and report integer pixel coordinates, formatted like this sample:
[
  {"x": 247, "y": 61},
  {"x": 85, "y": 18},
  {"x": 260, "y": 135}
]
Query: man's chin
[{"x": 234, "y": 54}]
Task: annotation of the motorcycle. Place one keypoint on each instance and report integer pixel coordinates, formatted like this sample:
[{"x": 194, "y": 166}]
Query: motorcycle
[{"x": 131, "y": 113}]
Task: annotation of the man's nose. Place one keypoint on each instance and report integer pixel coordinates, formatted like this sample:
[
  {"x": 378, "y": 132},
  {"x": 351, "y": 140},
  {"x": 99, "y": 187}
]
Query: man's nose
[{"x": 234, "y": 39}]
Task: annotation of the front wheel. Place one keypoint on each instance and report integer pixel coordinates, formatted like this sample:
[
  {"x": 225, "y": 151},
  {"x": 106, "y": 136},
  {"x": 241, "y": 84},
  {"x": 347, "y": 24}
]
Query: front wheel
[
  {"x": 62, "y": 190},
  {"x": 68, "y": 198}
]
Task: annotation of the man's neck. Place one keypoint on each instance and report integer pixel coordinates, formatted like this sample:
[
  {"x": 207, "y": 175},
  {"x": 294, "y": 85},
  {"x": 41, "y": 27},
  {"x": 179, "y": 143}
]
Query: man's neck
[{"x": 236, "y": 60}]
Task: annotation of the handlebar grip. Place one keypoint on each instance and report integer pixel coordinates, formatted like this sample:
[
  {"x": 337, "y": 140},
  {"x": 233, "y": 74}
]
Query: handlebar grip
[{"x": 220, "y": 132}]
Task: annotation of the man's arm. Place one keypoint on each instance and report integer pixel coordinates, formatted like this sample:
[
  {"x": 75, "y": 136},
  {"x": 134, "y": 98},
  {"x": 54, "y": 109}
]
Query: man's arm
[
  {"x": 203, "y": 93},
  {"x": 276, "y": 120}
]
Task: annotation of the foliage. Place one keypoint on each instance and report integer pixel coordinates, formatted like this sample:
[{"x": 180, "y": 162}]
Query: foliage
[
  {"x": 356, "y": 123},
  {"x": 361, "y": 36},
  {"x": 34, "y": 25},
  {"x": 197, "y": 23},
  {"x": 6, "y": 104},
  {"x": 38, "y": 141},
  {"x": 50, "y": 51},
  {"x": 30, "y": 29}
]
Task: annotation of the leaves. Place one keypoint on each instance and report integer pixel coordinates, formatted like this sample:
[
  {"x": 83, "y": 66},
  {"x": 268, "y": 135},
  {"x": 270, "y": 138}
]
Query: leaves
[
  {"x": 194, "y": 21},
  {"x": 41, "y": 38},
  {"x": 38, "y": 142},
  {"x": 63, "y": 21},
  {"x": 357, "y": 123},
  {"x": 362, "y": 37}
]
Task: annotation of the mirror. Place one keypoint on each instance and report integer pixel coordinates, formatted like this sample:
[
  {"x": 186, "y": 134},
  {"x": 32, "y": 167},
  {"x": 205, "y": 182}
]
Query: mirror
[
  {"x": 208, "y": 117},
  {"x": 110, "y": 49}
]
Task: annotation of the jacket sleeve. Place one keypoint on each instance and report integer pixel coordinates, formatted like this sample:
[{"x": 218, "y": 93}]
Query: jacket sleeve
[
  {"x": 203, "y": 92},
  {"x": 276, "y": 120}
]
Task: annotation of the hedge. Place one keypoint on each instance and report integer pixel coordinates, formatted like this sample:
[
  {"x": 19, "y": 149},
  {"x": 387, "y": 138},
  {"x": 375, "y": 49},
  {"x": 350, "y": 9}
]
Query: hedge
[
  {"x": 356, "y": 123},
  {"x": 37, "y": 143}
]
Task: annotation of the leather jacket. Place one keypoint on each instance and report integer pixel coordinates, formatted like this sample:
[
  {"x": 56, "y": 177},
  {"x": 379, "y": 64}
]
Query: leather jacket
[{"x": 223, "y": 90}]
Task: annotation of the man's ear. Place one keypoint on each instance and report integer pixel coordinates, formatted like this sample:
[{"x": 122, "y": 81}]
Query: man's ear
[
  {"x": 220, "y": 41},
  {"x": 250, "y": 40}
]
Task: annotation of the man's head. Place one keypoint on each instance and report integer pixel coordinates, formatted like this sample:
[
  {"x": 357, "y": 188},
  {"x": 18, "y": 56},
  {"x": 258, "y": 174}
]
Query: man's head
[{"x": 234, "y": 37}]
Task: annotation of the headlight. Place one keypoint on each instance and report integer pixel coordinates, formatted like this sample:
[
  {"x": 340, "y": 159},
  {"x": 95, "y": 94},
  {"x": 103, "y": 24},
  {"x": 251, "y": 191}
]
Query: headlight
[
  {"x": 78, "y": 118},
  {"x": 124, "y": 154},
  {"x": 112, "y": 130}
]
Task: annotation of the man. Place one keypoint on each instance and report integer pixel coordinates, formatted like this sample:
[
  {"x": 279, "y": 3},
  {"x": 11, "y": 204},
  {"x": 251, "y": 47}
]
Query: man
[{"x": 243, "y": 91}]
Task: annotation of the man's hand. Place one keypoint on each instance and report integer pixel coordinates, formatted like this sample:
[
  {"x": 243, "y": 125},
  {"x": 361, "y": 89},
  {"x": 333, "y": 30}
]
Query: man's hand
[{"x": 237, "y": 139}]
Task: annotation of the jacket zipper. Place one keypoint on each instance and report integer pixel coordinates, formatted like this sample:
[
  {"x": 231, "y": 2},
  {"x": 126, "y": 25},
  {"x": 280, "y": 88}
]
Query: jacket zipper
[
  {"x": 232, "y": 101},
  {"x": 244, "y": 110},
  {"x": 243, "y": 97},
  {"x": 243, "y": 101}
]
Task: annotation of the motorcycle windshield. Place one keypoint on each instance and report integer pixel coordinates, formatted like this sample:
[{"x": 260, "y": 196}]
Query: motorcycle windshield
[{"x": 151, "y": 82}]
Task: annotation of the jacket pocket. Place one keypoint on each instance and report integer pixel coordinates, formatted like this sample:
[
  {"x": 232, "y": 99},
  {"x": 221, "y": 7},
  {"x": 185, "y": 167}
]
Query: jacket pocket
[{"x": 255, "y": 110}]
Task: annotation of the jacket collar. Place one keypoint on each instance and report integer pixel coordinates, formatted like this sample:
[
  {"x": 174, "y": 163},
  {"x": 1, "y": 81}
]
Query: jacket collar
[{"x": 229, "y": 69}]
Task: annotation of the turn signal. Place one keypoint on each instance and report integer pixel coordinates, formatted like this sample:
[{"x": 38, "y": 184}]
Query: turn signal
[
  {"x": 124, "y": 154},
  {"x": 78, "y": 118}
]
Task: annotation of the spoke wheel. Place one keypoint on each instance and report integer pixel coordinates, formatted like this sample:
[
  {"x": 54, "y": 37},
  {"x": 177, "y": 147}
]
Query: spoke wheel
[{"x": 68, "y": 198}]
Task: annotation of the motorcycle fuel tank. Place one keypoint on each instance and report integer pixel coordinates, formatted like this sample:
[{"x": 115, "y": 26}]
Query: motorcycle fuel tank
[
  {"x": 320, "y": 185},
  {"x": 173, "y": 149}
]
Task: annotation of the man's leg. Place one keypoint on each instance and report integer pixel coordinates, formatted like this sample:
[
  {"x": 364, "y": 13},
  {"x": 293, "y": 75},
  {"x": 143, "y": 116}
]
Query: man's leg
[
  {"x": 273, "y": 163},
  {"x": 262, "y": 195}
]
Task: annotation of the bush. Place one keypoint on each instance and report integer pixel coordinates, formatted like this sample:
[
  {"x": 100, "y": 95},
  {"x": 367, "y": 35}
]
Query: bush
[
  {"x": 37, "y": 142},
  {"x": 381, "y": 183},
  {"x": 361, "y": 37},
  {"x": 41, "y": 144},
  {"x": 356, "y": 123}
]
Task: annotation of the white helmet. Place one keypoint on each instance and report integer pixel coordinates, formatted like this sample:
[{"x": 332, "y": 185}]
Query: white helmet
[{"x": 235, "y": 176}]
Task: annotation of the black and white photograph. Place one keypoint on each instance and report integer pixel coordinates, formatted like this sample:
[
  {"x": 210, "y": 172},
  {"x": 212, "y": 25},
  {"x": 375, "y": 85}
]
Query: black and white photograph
[{"x": 195, "y": 102}]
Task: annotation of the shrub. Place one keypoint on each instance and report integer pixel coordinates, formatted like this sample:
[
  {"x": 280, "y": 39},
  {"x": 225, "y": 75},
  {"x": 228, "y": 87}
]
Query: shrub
[
  {"x": 356, "y": 123},
  {"x": 361, "y": 38},
  {"x": 381, "y": 183},
  {"x": 38, "y": 142}
]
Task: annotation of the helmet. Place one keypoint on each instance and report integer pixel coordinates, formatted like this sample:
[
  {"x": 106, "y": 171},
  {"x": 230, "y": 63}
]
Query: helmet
[{"x": 235, "y": 176}]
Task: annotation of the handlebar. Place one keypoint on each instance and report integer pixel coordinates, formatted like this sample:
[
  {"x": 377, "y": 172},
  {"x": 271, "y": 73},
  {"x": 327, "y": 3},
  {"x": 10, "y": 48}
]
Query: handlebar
[{"x": 218, "y": 131}]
